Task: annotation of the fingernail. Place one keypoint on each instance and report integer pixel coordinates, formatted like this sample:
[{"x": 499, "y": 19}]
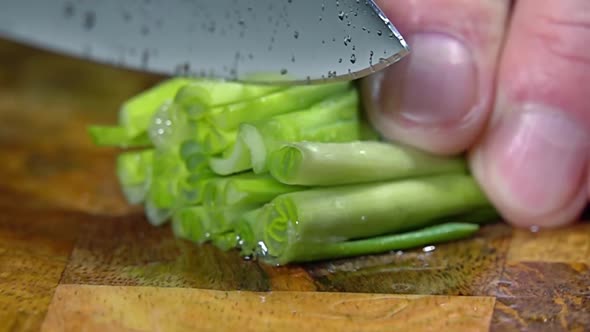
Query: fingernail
[
  {"x": 436, "y": 84},
  {"x": 535, "y": 159}
]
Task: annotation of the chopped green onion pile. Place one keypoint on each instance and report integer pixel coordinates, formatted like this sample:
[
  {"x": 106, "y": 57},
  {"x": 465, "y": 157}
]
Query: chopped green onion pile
[{"x": 285, "y": 174}]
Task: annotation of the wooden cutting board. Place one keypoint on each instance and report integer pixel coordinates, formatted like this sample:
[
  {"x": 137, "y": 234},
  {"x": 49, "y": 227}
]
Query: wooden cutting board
[{"x": 74, "y": 256}]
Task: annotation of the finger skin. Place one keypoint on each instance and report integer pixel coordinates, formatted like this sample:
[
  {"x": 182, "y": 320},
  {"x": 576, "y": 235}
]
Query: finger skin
[
  {"x": 439, "y": 99},
  {"x": 533, "y": 159}
]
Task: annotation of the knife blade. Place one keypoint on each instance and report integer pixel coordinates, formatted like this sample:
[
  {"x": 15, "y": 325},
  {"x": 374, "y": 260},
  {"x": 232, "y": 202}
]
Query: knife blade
[{"x": 263, "y": 41}]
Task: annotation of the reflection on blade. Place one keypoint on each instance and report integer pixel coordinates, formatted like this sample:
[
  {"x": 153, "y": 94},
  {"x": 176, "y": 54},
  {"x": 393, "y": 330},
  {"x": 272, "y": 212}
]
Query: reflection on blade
[{"x": 249, "y": 40}]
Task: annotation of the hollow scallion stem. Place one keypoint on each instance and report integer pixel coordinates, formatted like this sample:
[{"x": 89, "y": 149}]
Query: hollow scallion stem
[
  {"x": 191, "y": 223},
  {"x": 258, "y": 190},
  {"x": 229, "y": 117},
  {"x": 329, "y": 164},
  {"x": 117, "y": 137},
  {"x": 237, "y": 160},
  {"x": 305, "y": 252},
  {"x": 135, "y": 114},
  {"x": 134, "y": 173},
  {"x": 332, "y": 120},
  {"x": 198, "y": 97},
  {"x": 343, "y": 213}
]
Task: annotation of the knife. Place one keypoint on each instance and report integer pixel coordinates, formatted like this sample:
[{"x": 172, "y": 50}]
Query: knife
[{"x": 263, "y": 41}]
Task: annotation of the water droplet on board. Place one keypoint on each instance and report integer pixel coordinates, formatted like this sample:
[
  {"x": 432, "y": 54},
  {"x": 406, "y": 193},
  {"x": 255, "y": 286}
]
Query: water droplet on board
[{"x": 429, "y": 249}]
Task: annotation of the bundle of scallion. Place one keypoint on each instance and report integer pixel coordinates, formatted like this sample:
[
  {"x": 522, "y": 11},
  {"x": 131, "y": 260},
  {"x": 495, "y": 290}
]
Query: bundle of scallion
[{"x": 287, "y": 174}]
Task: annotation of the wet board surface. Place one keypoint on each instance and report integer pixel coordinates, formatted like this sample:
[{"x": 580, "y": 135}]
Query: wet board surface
[{"x": 74, "y": 256}]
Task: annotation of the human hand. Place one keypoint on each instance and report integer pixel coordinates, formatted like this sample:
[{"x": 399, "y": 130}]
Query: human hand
[{"x": 506, "y": 81}]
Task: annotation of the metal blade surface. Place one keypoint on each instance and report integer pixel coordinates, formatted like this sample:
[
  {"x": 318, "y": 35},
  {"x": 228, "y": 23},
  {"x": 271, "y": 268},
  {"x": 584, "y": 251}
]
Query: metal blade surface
[{"x": 293, "y": 41}]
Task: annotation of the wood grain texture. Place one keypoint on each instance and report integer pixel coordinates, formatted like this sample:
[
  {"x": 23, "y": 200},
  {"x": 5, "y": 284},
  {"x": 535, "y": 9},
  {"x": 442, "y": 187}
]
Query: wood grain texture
[
  {"x": 538, "y": 296},
  {"x": 34, "y": 247},
  {"x": 569, "y": 245},
  {"x": 64, "y": 224},
  {"x": 101, "y": 308},
  {"x": 469, "y": 267},
  {"x": 46, "y": 103},
  {"x": 128, "y": 251}
]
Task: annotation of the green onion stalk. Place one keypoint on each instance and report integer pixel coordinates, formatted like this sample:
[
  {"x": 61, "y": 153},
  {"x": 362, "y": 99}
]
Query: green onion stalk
[
  {"x": 191, "y": 223},
  {"x": 284, "y": 173},
  {"x": 300, "y": 252},
  {"x": 117, "y": 137},
  {"x": 163, "y": 194},
  {"x": 198, "y": 98},
  {"x": 334, "y": 119},
  {"x": 230, "y": 117},
  {"x": 136, "y": 114},
  {"x": 134, "y": 170},
  {"x": 346, "y": 213},
  {"x": 330, "y": 164}
]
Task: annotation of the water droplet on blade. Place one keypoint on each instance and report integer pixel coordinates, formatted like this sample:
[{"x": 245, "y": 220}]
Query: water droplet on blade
[
  {"x": 68, "y": 10},
  {"x": 347, "y": 40},
  {"x": 89, "y": 20}
]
